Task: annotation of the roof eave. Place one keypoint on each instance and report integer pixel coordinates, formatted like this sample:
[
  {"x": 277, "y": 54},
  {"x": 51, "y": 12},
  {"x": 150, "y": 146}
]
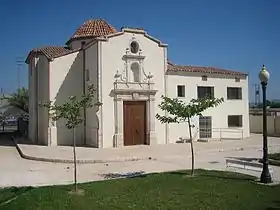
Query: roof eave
[
  {"x": 32, "y": 54},
  {"x": 211, "y": 73},
  {"x": 137, "y": 31},
  {"x": 66, "y": 53}
]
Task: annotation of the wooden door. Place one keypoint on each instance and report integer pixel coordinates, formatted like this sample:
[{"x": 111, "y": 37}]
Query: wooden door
[{"x": 134, "y": 118}]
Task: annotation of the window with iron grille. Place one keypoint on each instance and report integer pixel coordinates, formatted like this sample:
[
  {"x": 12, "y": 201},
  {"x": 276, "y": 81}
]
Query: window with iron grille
[
  {"x": 203, "y": 91},
  {"x": 235, "y": 121},
  {"x": 181, "y": 91},
  {"x": 234, "y": 93}
]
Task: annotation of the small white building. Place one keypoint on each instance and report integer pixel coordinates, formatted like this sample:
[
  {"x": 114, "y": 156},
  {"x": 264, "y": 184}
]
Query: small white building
[{"x": 131, "y": 71}]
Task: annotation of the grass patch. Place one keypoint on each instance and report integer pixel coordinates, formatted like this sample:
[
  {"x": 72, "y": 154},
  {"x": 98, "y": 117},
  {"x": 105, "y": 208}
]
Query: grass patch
[
  {"x": 173, "y": 190},
  {"x": 12, "y": 192},
  {"x": 274, "y": 156},
  {"x": 274, "y": 159}
]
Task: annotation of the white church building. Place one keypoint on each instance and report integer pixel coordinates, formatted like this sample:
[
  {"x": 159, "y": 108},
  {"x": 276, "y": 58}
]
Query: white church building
[{"x": 131, "y": 71}]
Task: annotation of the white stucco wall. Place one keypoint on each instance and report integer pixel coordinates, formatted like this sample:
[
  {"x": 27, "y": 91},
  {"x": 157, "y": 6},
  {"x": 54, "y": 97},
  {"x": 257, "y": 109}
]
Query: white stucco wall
[
  {"x": 92, "y": 114},
  {"x": 78, "y": 43},
  {"x": 42, "y": 68},
  {"x": 111, "y": 53},
  {"x": 32, "y": 100},
  {"x": 256, "y": 124},
  {"x": 66, "y": 79},
  {"x": 219, "y": 114}
]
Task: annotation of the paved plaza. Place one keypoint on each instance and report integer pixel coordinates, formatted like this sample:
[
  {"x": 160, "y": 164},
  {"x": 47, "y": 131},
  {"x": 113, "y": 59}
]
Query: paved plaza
[{"x": 16, "y": 171}]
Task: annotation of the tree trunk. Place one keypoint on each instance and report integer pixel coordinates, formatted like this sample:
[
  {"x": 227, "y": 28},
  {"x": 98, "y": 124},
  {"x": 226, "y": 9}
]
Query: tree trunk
[
  {"x": 75, "y": 160},
  {"x": 191, "y": 140}
]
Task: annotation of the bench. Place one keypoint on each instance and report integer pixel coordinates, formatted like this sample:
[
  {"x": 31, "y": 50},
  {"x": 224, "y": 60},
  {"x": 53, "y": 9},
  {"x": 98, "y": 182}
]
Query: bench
[{"x": 242, "y": 164}]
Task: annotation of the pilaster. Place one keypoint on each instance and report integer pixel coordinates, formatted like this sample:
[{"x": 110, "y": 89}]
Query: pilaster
[
  {"x": 151, "y": 121},
  {"x": 118, "y": 136}
]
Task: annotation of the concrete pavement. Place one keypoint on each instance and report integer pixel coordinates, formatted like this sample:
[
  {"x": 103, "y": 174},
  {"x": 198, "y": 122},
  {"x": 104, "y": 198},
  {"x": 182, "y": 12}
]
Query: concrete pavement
[
  {"x": 16, "y": 171},
  {"x": 64, "y": 154}
]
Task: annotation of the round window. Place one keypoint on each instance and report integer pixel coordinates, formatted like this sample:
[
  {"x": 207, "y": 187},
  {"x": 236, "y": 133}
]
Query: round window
[{"x": 134, "y": 47}]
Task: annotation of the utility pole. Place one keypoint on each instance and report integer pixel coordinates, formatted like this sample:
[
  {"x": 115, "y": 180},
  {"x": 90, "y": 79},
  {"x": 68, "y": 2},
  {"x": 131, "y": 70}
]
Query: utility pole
[
  {"x": 2, "y": 96},
  {"x": 257, "y": 94},
  {"x": 19, "y": 63}
]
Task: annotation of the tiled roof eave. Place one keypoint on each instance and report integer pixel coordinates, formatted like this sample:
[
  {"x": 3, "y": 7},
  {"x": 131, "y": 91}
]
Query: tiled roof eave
[
  {"x": 31, "y": 54},
  {"x": 50, "y": 52},
  {"x": 203, "y": 70},
  {"x": 79, "y": 38},
  {"x": 66, "y": 53}
]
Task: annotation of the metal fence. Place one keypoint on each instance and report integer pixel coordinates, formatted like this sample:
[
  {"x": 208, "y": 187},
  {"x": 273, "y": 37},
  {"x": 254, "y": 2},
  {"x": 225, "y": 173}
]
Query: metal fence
[
  {"x": 220, "y": 134},
  {"x": 12, "y": 124}
]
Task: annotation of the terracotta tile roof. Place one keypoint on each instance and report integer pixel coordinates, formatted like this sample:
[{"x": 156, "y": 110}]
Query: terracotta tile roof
[
  {"x": 50, "y": 52},
  {"x": 202, "y": 69},
  {"x": 93, "y": 28}
]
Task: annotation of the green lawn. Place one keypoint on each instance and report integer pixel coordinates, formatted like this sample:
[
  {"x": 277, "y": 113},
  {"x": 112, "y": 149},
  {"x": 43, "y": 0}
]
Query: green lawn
[
  {"x": 274, "y": 159},
  {"x": 207, "y": 190},
  {"x": 274, "y": 156}
]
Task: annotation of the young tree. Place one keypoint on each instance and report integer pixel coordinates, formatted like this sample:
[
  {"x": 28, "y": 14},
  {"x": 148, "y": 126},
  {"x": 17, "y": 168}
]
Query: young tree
[
  {"x": 180, "y": 112},
  {"x": 71, "y": 111}
]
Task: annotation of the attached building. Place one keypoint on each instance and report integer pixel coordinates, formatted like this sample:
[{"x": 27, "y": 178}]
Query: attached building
[{"x": 131, "y": 72}]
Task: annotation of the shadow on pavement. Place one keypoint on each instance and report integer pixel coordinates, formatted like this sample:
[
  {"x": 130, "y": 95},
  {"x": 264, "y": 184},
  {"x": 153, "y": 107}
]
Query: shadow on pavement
[
  {"x": 245, "y": 158},
  {"x": 124, "y": 175},
  {"x": 6, "y": 139}
]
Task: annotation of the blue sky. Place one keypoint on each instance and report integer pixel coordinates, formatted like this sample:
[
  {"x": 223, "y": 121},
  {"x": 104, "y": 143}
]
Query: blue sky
[{"x": 232, "y": 34}]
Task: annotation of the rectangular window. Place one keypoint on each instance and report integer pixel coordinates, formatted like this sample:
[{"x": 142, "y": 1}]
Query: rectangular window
[
  {"x": 234, "y": 93},
  {"x": 203, "y": 91},
  {"x": 235, "y": 121},
  {"x": 181, "y": 91}
]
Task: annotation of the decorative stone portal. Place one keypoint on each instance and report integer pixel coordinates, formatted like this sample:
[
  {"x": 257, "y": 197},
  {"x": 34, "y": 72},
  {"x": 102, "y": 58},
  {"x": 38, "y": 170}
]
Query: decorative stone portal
[{"x": 141, "y": 96}]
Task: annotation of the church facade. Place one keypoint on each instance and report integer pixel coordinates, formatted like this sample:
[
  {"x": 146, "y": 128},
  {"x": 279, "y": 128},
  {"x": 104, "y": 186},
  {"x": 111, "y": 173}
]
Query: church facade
[{"x": 131, "y": 71}]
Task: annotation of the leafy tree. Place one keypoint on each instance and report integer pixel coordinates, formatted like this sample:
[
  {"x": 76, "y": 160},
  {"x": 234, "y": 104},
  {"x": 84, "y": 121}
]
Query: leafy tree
[
  {"x": 71, "y": 111},
  {"x": 275, "y": 104},
  {"x": 180, "y": 112},
  {"x": 19, "y": 99}
]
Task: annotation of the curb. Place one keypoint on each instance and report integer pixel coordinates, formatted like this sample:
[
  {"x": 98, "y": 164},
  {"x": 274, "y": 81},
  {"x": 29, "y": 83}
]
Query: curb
[
  {"x": 126, "y": 159},
  {"x": 271, "y": 162},
  {"x": 54, "y": 160},
  {"x": 241, "y": 148}
]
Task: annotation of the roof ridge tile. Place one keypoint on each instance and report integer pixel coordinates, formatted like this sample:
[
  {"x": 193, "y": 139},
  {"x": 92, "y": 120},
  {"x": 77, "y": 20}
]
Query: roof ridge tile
[{"x": 203, "y": 69}]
